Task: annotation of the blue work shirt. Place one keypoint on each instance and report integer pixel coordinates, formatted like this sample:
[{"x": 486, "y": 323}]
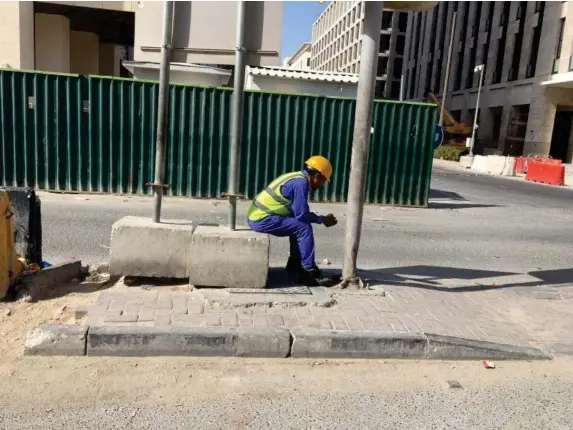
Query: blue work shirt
[{"x": 297, "y": 191}]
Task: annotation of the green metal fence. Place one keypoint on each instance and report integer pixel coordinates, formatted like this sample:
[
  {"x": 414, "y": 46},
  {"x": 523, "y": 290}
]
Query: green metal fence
[{"x": 96, "y": 134}]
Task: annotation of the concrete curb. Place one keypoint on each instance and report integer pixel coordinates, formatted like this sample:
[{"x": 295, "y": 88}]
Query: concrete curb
[
  {"x": 33, "y": 284},
  {"x": 50, "y": 340},
  {"x": 131, "y": 341}
]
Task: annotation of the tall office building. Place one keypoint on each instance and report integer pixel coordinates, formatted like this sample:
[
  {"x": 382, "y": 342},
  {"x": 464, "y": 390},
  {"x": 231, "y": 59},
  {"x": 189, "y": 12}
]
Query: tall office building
[
  {"x": 526, "y": 105},
  {"x": 336, "y": 44}
]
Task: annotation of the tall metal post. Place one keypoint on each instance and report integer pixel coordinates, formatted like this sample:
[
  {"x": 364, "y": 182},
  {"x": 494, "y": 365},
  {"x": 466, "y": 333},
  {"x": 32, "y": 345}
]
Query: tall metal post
[
  {"x": 481, "y": 69},
  {"x": 237, "y": 113},
  {"x": 448, "y": 64},
  {"x": 361, "y": 136},
  {"x": 402, "y": 88},
  {"x": 162, "y": 110}
]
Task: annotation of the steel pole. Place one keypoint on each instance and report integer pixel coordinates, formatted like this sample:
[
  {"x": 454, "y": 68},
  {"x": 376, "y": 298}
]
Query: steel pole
[
  {"x": 361, "y": 136},
  {"x": 402, "y": 88},
  {"x": 237, "y": 113},
  {"x": 477, "y": 110},
  {"x": 448, "y": 64},
  {"x": 162, "y": 110}
]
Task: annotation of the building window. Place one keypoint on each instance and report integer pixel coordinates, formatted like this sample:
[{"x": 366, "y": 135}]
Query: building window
[
  {"x": 403, "y": 22},
  {"x": 501, "y": 48},
  {"x": 560, "y": 40},
  {"x": 401, "y": 44},
  {"x": 386, "y": 20}
]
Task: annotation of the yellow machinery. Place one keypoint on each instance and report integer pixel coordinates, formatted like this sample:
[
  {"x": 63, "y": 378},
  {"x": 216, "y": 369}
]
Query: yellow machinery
[
  {"x": 455, "y": 133},
  {"x": 10, "y": 267}
]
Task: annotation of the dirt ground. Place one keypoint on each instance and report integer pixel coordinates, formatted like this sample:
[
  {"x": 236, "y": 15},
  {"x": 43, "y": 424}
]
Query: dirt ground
[{"x": 54, "y": 306}]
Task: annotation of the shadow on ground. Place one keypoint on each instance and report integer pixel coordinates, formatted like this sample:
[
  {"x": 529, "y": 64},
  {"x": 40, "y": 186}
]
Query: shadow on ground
[
  {"x": 433, "y": 277},
  {"x": 440, "y": 199}
]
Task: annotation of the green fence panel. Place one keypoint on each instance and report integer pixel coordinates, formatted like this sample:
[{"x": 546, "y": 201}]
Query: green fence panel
[{"x": 97, "y": 134}]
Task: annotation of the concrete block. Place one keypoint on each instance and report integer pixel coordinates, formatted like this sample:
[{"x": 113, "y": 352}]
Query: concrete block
[
  {"x": 132, "y": 341},
  {"x": 479, "y": 164},
  {"x": 68, "y": 340},
  {"x": 233, "y": 259},
  {"x": 466, "y": 161},
  {"x": 452, "y": 348},
  {"x": 140, "y": 247},
  {"x": 309, "y": 343}
]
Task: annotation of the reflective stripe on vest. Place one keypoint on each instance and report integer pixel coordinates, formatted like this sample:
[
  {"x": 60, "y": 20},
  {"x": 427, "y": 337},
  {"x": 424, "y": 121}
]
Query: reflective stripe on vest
[{"x": 270, "y": 201}]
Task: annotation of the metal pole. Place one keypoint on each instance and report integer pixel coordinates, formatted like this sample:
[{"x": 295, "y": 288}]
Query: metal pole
[
  {"x": 361, "y": 137},
  {"x": 402, "y": 88},
  {"x": 447, "y": 77},
  {"x": 237, "y": 113},
  {"x": 162, "y": 110},
  {"x": 482, "y": 68}
]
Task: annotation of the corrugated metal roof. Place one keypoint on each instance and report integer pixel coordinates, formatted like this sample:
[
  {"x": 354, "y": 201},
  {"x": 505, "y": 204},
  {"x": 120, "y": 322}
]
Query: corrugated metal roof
[{"x": 310, "y": 75}]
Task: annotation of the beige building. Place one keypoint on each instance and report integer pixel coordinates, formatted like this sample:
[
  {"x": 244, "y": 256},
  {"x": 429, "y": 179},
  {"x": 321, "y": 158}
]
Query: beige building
[
  {"x": 526, "y": 106},
  {"x": 336, "y": 44},
  {"x": 301, "y": 58},
  {"x": 94, "y": 37}
]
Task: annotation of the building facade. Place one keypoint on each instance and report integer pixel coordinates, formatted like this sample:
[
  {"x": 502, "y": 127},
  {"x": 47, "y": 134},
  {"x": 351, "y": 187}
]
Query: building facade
[
  {"x": 301, "y": 58},
  {"x": 95, "y": 37},
  {"x": 336, "y": 44},
  {"x": 526, "y": 104}
]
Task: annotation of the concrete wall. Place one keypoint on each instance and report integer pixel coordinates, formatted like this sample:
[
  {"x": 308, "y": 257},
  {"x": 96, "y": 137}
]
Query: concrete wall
[
  {"x": 109, "y": 59},
  {"x": 294, "y": 86},
  {"x": 84, "y": 53},
  {"x": 204, "y": 32},
  {"x": 52, "y": 43},
  {"x": 17, "y": 35},
  {"x": 301, "y": 62}
]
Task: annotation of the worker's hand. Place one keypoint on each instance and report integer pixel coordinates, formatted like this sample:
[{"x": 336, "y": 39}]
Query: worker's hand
[{"x": 330, "y": 220}]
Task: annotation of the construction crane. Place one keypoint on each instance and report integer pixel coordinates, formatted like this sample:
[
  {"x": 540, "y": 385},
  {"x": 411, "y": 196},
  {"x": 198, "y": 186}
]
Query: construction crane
[{"x": 455, "y": 133}]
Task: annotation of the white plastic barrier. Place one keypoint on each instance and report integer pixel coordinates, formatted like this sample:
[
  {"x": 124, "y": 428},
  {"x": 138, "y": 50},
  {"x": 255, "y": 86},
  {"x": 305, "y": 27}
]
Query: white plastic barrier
[
  {"x": 480, "y": 164},
  {"x": 494, "y": 165}
]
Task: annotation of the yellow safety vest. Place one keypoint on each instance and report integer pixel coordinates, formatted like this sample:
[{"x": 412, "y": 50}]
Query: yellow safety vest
[{"x": 270, "y": 201}]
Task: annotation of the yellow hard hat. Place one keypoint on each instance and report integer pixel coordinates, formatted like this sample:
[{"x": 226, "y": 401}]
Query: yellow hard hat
[{"x": 321, "y": 164}]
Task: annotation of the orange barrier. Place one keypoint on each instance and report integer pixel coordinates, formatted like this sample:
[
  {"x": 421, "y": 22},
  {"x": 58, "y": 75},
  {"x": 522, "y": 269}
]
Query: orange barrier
[
  {"x": 550, "y": 173},
  {"x": 522, "y": 162}
]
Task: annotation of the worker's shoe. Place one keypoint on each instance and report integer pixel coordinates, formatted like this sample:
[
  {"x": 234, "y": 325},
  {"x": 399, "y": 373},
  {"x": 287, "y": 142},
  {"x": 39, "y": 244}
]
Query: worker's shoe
[{"x": 314, "y": 278}]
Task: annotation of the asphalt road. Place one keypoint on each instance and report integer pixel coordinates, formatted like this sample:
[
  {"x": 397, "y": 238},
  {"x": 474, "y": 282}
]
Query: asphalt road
[
  {"x": 283, "y": 394},
  {"x": 474, "y": 222}
]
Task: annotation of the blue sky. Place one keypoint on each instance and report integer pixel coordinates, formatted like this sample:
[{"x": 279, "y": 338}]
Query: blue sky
[{"x": 298, "y": 17}]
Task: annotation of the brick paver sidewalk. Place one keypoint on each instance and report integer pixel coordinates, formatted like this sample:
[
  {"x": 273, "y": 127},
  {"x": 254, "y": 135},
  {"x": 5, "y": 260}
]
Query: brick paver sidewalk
[{"x": 535, "y": 316}]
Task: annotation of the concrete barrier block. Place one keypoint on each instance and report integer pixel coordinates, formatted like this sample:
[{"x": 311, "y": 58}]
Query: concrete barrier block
[
  {"x": 220, "y": 257},
  {"x": 309, "y": 343},
  {"x": 495, "y": 164},
  {"x": 140, "y": 247},
  {"x": 479, "y": 164},
  {"x": 131, "y": 341},
  {"x": 452, "y": 348},
  {"x": 466, "y": 161},
  {"x": 509, "y": 167},
  {"x": 49, "y": 340}
]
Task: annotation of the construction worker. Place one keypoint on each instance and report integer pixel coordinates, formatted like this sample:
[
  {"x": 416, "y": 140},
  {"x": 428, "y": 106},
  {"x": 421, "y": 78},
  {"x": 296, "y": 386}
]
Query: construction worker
[{"x": 282, "y": 210}]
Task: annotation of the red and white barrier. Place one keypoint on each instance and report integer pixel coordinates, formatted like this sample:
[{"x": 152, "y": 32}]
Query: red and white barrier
[{"x": 548, "y": 172}]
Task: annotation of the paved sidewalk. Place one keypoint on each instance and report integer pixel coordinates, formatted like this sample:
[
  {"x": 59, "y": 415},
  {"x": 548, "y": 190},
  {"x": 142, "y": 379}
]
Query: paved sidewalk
[{"x": 513, "y": 311}]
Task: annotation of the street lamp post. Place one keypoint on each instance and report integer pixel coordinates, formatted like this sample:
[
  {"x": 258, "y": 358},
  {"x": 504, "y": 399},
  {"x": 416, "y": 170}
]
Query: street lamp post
[{"x": 480, "y": 69}]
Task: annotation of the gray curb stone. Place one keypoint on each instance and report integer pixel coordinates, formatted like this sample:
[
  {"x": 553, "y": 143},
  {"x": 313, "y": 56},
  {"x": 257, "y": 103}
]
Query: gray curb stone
[
  {"x": 132, "y": 341},
  {"x": 129, "y": 341},
  {"x": 455, "y": 348},
  {"x": 50, "y": 340},
  {"x": 311, "y": 343}
]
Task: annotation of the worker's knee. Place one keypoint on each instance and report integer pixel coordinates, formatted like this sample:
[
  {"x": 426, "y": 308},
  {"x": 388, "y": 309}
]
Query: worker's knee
[{"x": 304, "y": 230}]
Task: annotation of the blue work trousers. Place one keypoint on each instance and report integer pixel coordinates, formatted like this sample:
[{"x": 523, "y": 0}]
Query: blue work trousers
[{"x": 300, "y": 234}]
